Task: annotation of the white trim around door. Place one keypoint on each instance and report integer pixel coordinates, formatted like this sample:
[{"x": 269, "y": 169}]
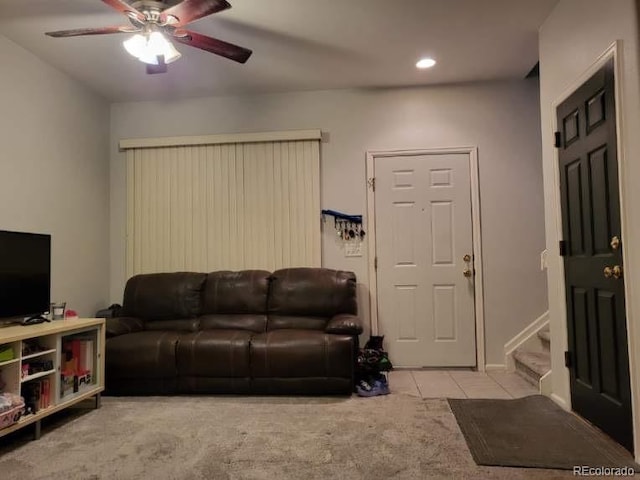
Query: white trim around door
[{"x": 477, "y": 236}]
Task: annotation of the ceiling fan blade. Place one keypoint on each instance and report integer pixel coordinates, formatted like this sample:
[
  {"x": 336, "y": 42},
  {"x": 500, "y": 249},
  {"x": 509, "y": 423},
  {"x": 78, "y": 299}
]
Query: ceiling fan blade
[
  {"x": 189, "y": 11},
  {"x": 89, "y": 31},
  {"x": 213, "y": 45},
  {"x": 125, "y": 8}
]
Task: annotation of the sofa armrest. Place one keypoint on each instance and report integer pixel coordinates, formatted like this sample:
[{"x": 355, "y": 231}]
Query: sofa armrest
[
  {"x": 121, "y": 325},
  {"x": 344, "y": 323}
]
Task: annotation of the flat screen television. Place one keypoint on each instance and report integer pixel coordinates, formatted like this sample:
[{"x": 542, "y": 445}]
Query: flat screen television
[{"x": 25, "y": 274}]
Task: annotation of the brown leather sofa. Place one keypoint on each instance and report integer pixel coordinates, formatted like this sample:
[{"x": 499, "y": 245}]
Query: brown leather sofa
[{"x": 294, "y": 331}]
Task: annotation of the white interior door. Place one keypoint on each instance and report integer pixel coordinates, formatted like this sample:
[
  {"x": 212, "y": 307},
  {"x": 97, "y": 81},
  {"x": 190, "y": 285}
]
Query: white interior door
[{"x": 423, "y": 233}]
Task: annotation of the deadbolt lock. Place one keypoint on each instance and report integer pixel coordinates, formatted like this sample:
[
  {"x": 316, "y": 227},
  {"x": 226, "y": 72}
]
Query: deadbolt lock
[
  {"x": 467, "y": 258},
  {"x": 617, "y": 271},
  {"x": 615, "y": 242}
]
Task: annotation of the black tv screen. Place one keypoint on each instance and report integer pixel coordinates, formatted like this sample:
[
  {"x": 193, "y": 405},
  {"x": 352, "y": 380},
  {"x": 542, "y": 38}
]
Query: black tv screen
[{"x": 25, "y": 274}]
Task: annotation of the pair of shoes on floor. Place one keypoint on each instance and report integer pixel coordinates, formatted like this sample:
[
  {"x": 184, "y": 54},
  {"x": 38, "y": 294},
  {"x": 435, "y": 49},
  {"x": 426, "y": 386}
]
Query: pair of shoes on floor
[{"x": 373, "y": 387}]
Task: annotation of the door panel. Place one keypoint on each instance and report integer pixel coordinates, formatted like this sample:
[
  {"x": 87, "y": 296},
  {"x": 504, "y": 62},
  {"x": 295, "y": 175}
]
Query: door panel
[
  {"x": 596, "y": 323},
  {"x": 582, "y": 337},
  {"x": 423, "y": 229},
  {"x": 444, "y": 312},
  {"x": 576, "y": 207}
]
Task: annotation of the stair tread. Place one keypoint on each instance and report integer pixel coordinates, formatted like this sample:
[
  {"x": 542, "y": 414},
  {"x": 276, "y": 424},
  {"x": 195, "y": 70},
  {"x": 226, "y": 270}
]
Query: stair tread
[
  {"x": 538, "y": 362},
  {"x": 545, "y": 335}
]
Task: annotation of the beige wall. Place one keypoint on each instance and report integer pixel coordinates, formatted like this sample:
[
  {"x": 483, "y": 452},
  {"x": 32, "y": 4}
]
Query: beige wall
[
  {"x": 575, "y": 34},
  {"x": 501, "y": 119},
  {"x": 54, "y": 170}
]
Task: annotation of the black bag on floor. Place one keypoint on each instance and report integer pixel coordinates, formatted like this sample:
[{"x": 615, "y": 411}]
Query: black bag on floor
[{"x": 372, "y": 358}]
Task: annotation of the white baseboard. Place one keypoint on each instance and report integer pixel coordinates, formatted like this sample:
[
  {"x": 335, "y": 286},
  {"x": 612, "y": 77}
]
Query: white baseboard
[
  {"x": 560, "y": 402},
  {"x": 495, "y": 367}
]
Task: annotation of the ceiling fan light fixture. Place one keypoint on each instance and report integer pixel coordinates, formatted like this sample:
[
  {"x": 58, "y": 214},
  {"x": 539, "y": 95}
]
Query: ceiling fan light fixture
[
  {"x": 135, "y": 45},
  {"x": 148, "y": 47},
  {"x": 155, "y": 26}
]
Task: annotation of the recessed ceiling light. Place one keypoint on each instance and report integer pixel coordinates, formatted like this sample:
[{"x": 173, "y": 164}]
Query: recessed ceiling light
[{"x": 426, "y": 63}]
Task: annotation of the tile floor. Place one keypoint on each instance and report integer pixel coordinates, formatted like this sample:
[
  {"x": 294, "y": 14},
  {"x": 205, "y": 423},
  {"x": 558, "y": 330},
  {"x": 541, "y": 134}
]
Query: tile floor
[{"x": 459, "y": 384}]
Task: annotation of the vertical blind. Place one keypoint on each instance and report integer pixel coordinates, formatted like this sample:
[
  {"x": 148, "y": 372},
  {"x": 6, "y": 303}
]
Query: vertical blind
[{"x": 228, "y": 206}]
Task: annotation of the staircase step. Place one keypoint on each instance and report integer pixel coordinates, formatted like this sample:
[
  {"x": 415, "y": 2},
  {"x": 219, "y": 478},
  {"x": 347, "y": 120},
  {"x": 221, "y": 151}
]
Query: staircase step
[
  {"x": 528, "y": 375},
  {"x": 545, "y": 336},
  {"x": 537, "y": 362}
]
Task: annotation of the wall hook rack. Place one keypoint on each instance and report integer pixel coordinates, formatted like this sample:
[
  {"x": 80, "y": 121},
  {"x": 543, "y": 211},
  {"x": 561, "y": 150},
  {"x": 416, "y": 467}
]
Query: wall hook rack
[
  {"x": 343, "y": 216},
  {"x": 348, "y": 227}
]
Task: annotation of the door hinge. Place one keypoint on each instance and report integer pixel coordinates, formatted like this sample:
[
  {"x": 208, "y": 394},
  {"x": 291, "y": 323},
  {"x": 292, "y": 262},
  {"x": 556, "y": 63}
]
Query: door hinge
[
  {"x": 563, "y": 248},
  {"x": 375, "y": 263},
  {"x": 557, "y": 139},
  {"x": 567, "y": 360},
  {"x": 372, "y": 183}
]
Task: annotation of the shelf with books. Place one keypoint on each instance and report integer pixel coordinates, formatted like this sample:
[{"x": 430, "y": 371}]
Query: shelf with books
[
  {"x": 77, "y": 363},
  {"x": 36, "y": 359},
  {"x": 37, "y": 393}
]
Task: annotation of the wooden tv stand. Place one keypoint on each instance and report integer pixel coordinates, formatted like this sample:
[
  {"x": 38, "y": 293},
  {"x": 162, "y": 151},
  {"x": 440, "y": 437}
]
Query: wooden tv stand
[{"x": 50, "y": 337}]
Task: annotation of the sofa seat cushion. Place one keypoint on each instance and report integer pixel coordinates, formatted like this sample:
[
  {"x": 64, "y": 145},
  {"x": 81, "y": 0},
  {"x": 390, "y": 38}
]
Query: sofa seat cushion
[
  {"x": 296, "y": 322},
  {"x": 229, "y": 321},
  {"x": 301, "y": 353},
  {"x": 214, "y": 353},
  {"x": 148, "y": 354}
]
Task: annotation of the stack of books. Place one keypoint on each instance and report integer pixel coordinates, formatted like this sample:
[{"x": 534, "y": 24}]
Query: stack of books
[
  {"x": 37, "y": 395},
  {"x": 77, "y": 364}
]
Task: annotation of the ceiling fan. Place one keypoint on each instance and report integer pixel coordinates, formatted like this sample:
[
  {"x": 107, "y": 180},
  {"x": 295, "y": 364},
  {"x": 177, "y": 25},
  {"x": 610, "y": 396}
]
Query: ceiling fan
[{"x": 154, "y": 21}]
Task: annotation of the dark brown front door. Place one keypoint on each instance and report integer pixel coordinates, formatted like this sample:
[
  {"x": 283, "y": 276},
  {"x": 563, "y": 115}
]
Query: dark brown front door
[{"x": 597, "y": 332}]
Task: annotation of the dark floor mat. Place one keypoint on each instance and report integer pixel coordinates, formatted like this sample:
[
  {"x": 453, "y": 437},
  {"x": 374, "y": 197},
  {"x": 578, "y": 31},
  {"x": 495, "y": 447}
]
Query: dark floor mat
[{"x": 534, "y": 432}]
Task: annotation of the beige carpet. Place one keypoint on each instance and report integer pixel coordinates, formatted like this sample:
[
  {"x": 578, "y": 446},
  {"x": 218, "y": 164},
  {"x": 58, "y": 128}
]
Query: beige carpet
[{"x": 391, "y": 437}]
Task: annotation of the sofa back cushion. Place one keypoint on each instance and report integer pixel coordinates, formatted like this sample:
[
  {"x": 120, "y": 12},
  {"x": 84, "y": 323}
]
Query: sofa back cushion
[
  {"x": 242, "y": 292},
  {"x": 308, "y": 295},
  {"x": 163, "y": 296}
]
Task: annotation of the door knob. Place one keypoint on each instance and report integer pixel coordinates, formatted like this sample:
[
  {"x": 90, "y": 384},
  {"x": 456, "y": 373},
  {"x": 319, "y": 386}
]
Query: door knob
[
  {"x": 608, "y": 272},
  {"x": 466, "y": 272},
  {"x": 615, "y": 242},
  {"x": 617, "y": 271}
]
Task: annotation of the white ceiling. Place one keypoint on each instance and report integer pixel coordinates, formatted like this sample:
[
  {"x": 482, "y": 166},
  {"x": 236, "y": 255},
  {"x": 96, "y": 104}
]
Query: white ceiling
[{"x": 297, "y": 45}]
